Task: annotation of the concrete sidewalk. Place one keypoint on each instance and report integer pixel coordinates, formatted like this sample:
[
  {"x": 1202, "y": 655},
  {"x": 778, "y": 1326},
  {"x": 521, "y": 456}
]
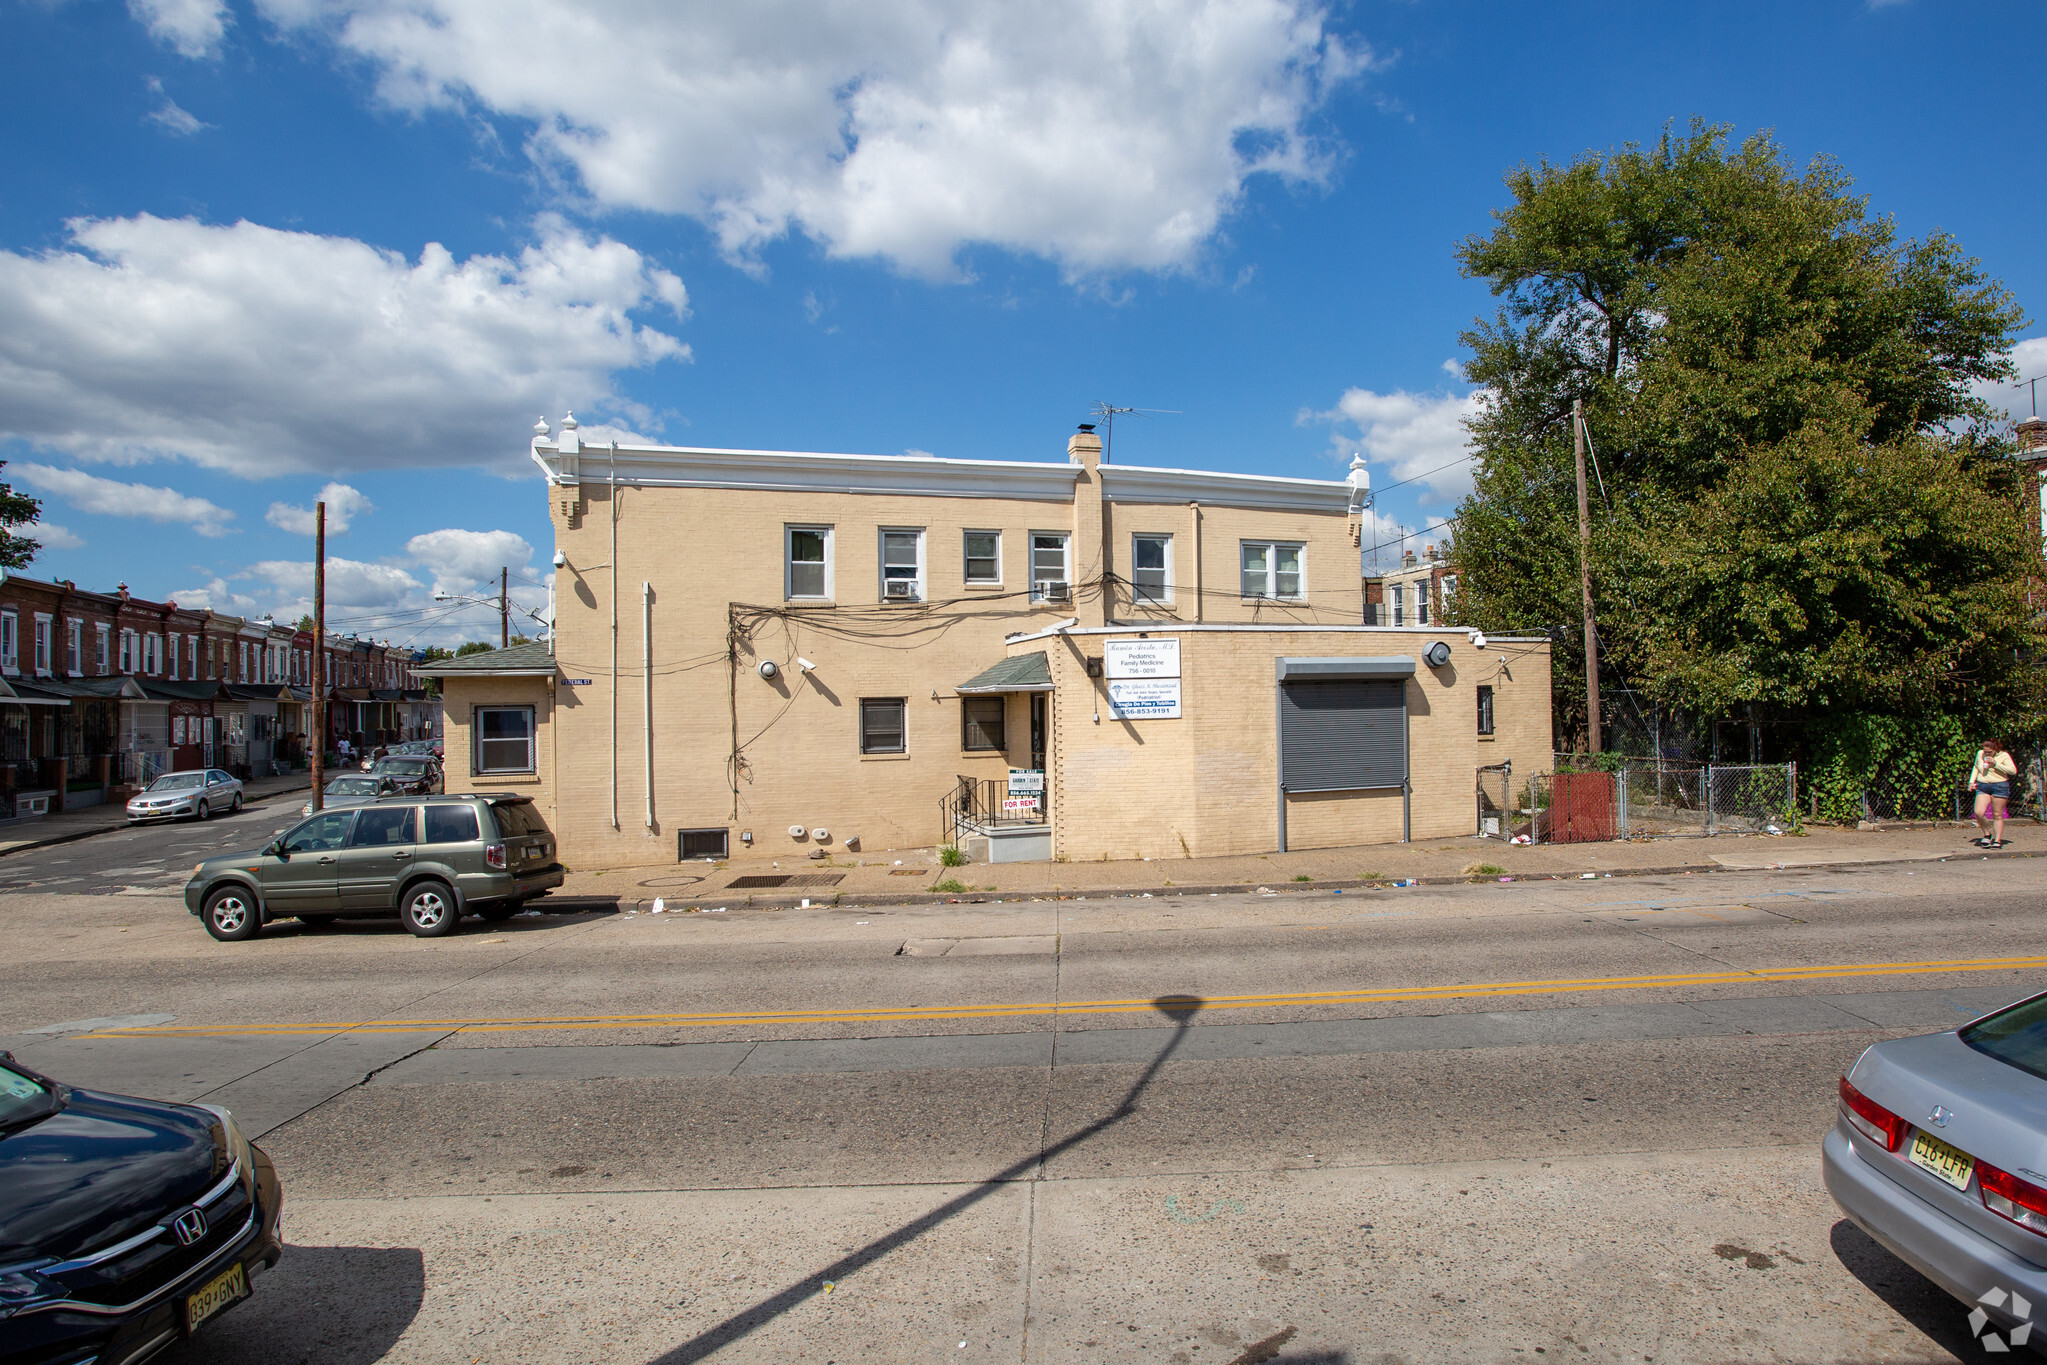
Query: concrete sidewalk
[
  {"x": 61, "y": 827},
  {"x": 914, "y": 876}
]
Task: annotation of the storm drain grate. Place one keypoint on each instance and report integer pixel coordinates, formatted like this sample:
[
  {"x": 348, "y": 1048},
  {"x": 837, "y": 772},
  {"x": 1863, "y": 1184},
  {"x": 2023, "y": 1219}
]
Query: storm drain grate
[
  {"x": 908, "y": 871},
  {"x": 754, "y": 883}
]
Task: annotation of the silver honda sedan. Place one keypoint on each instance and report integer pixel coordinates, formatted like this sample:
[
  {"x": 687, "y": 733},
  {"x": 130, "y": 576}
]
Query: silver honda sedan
[
  {"x": 197, "y": 792},
  {"x": 1940, "y": 1154}
]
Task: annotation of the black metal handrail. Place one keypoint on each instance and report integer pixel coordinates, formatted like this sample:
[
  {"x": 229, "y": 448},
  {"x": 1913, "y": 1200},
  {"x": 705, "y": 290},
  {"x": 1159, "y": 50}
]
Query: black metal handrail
[{"x": 987, "y": 803}]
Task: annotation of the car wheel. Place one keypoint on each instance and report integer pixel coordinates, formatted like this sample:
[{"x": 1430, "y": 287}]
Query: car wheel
[
  {"x": 503, "y": 910},
  {"x": 236, "y": 809},
  {"x": 429, "y": 910},
  {"x": 202, "y": 813},
  {"x": 231, "y": 914},
  {"x": 317, "y": 921}
]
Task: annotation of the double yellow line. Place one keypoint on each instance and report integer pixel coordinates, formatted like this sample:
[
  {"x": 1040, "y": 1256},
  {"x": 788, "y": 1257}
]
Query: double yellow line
[{"x": 1178, "y": 1007}]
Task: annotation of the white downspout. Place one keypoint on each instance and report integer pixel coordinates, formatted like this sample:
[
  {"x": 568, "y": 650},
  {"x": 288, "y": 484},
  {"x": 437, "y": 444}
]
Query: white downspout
[
  {"x": 611, "y": 478},
  {"x": 647, "y": 685}
]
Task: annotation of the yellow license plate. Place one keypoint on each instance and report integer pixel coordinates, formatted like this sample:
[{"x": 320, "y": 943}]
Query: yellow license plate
[
  {"x": 230, "y": 1286},
  {"x": 1951, "y": 1164}
]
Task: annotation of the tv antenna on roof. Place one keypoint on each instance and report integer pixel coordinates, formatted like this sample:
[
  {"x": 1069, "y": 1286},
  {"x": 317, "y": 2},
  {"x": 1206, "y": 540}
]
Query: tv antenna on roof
[
  {"x": 2032, "y": 384},
  {"x": 1105, "y": 415}
]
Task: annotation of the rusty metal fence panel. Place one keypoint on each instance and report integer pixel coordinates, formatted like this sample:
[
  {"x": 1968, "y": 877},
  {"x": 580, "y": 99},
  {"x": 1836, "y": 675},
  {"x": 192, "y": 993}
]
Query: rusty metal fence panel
[{"x": 1646, "y": 798}]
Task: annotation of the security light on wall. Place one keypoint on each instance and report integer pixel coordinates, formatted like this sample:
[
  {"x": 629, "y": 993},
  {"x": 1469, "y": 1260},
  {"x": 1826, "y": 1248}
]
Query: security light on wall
[
  {"x": 806, "y": 665},
  {"x": 1478, "y": 639},
  {"x": 1436, "y": 655},
  {"x": 768, "y": 669},
  {"x": 561, "y": 561}
]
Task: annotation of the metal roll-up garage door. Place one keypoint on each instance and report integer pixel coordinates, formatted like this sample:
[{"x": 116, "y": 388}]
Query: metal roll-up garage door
[{"x": 1342, "y": 734}]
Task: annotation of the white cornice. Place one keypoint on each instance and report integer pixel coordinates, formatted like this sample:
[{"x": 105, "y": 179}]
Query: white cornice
[
  {"x": 1137, "y": 484},
  {"x": 781, "y": 471}
]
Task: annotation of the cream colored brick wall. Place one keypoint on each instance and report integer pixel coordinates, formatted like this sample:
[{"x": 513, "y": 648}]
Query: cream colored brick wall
[
  {"x": 1207, "y": 783},
  {"x": 459, "y": 699},
  {"x": 703, "y": 550}
]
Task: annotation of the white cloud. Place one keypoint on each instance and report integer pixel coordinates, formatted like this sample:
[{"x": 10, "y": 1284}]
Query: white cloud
[
  {"x": 265, "y": 352},
  {"x": 51, "y": 536},
  {"x": 1421, "y": 435},
  {"x": 190, "y": 28},
  {"x": 2030, "y": 356},
  {"x": 350, "y": 582},
  {"x": 461, "y": 561},
  {"x": 178, "y": 121},
  {"x": 217, "y": 596},
  {"x": 1102, "y": 134},
  {"x": 108, "y": 497},
  {"x": 344, "y": 504}
]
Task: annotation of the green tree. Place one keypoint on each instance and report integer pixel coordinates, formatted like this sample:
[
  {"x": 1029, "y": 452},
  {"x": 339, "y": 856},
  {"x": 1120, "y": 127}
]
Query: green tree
[
  {"x": 1738, "y": 331},
  {"x": 474, "y": 647},
  {"x": 17, "y": 509}
]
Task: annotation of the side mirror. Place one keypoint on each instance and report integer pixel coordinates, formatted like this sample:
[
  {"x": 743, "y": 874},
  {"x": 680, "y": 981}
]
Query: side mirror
[{"x": 274, "y": 849}]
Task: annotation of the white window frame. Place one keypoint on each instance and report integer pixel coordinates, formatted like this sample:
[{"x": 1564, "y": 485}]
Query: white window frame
[
  {"x": 153, "y": 651},
  {"x": 192, "y": 657},
  {"x": 882, "y": 566},
  {"x": 10, "y": 641},
  {"x": 1065, "y": 539},
  {"x": 102, "y": 645},
  {"x": 45, "y": 644},
  {"x": 1399, "y": 601},
  {"x": 171, "y": 656},
  {"x": 1421, "y": 601},
  {"x": 789, "y": 533},
  {"x": 966, "y": 560},
  {"x": 1165, "y": 596},
  {"x": 477, "y": 767},
  {"x": 1272, "y": 549},
  {"x": 74, "y": 646}
]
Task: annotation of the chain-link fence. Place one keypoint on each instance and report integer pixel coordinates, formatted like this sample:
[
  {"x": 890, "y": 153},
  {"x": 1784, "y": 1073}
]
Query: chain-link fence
[{"x": 1587, "y": 800}]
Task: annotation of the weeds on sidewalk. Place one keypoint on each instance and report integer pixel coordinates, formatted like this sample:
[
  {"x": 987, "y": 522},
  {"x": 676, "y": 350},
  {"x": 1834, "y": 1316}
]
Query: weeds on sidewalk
[{"x": 951, "y": 885}]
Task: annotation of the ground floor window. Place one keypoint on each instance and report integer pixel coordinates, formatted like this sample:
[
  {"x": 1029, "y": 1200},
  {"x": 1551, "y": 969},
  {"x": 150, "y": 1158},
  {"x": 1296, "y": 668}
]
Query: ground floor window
[
  {"x": 981, "y": 724},
  {"x": 1485, "y": 709},
  {"x": 504, "y": 739},
  {"x": 692, "y": 844},
  {"x": 881, "y": 725}
]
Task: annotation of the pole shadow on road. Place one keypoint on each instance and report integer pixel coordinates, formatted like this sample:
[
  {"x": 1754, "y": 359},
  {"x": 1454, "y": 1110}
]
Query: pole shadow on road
[
  {"x": 369, "y": 1295},
  {"x": 1181, "y": 1009},
  {"x": 1904, "y": 1290}
]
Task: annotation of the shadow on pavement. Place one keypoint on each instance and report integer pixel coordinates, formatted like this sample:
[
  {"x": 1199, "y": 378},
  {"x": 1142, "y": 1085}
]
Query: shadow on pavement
[
  {"x": 320, "y": 1306},
  {"x": 368, "y": 925},
  {"x": 1909, "y": 1294},
  {"x": 1181, "y": 1009}
]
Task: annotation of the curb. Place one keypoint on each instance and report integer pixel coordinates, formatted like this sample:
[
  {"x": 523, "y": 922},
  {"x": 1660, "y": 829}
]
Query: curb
[{"x": 862, "y": 899}]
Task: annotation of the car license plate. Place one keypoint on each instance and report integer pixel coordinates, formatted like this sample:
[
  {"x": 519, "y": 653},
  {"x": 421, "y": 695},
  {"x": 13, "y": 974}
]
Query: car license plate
[
  {"x": 230, "y": 1286},
  {"x": 1951, "y": 1164}
]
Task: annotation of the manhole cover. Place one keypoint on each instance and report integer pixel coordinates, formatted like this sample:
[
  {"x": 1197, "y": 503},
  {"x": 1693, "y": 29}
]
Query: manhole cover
[{"x": 672, "y": 881}]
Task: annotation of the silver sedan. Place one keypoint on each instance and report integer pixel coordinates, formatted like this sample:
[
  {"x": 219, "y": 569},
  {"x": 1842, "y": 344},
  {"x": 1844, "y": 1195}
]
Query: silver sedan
[
  {"x": 197, "y": 792},
  {"x": 1940, "y": 1154}
]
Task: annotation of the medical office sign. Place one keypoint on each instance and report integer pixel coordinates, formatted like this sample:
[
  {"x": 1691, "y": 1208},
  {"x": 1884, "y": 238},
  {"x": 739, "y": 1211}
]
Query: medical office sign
[{"x": 1143, "y": 679}]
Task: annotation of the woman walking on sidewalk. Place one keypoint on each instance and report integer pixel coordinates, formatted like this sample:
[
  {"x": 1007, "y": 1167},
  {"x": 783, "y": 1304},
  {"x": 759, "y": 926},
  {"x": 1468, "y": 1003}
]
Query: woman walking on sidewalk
[{"x": 1990, "y": 777}]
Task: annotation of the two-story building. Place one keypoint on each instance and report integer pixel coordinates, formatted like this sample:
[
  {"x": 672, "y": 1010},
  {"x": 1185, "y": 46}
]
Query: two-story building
[{"x": 786, "y": 651}]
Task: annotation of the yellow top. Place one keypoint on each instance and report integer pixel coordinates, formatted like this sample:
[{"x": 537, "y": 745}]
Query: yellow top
[{"x": 1999, "y": 768}]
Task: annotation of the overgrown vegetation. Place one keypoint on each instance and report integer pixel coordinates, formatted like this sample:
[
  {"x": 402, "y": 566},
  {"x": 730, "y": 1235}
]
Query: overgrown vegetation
[{"x": 952, "y": 855}]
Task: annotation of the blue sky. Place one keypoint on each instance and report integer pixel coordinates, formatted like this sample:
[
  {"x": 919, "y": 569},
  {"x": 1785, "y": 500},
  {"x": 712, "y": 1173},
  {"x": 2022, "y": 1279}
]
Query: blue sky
[{"x": 251, "y": 249}]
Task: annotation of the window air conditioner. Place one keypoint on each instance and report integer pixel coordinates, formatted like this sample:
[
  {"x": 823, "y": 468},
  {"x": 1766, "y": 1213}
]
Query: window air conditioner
[
  {"x": 1052, "y": 590},
  {"x": 902, "y": 588}
]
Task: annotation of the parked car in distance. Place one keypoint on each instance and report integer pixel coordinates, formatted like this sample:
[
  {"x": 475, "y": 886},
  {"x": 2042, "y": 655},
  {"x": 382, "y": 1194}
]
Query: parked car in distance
[
  {"x": 1934, "y": 1154},
  {"x": 352, "y": 789},
  {"x": 427, "y": 859},
  {"x": 414, "y": 773},
  {"x": 125, "y": 1224},
  {"x": 198, "y": 792}
]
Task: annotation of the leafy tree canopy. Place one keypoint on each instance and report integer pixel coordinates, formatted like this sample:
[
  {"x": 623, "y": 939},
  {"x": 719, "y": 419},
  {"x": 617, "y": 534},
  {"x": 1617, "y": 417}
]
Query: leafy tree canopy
[
  {"x": 17, "y": 509},
  {"x": 473, "y": 647},
  {"x": 1799, "y": 503}
]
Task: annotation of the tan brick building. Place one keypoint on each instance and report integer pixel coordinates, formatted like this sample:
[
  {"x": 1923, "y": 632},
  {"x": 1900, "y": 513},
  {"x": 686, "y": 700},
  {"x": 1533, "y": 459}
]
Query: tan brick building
[{"x": 782, "y": 651}]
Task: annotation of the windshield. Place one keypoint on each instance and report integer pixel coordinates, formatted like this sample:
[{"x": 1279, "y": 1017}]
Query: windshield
[
  {"x": 2016, "y": 1036},
  {"x": 178, "y": 782},
  {"x": 352, "y": 786},
  {"x": 20, "y": 1097}
]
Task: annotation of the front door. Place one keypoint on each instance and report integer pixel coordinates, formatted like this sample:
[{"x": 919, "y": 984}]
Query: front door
[
  {"x": 378, "y": 854},
  {"x": 304, "y": 877},
  {"x": 1038, "y": 731}
]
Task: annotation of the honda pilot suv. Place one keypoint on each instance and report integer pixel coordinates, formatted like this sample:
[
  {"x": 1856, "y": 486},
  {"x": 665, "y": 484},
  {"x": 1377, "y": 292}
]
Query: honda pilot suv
[{"x": 427, "y": 859}]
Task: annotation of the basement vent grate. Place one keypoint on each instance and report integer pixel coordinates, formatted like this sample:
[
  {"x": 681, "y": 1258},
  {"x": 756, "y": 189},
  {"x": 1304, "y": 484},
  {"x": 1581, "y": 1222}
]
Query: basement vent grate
[{"x": 756, "y": 883}]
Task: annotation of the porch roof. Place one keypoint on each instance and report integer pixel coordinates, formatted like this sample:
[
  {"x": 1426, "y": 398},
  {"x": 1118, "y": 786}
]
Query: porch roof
[{"x": 1024, "y": 673}]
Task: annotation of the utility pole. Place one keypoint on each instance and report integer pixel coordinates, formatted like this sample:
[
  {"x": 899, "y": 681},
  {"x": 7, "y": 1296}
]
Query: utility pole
[
  {"x": 504, "y": 608},
  {"x": 1585, "y": 580},
  {"x": 319, "y": 726}
]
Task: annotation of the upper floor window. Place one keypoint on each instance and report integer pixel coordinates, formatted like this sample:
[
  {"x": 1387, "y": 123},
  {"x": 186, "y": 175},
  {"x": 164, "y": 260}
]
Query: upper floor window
[
  {"x": 1272, "y": 568},
  {"x": 882, "y": 725},
  {"x": 100, "y": 635},
  {"x": 43, "y": 645},
  {"x": 1485, "y": 709},
  {"x": 74, "y": 646},
  {"x": 902, "y": 566},
  {"x": 10, "y": 641},
  {"x": 1421, "y": 602},
  {"x": 1151, "y": 569},
  {"x": 809, "y": 550},
  {"x": 1050, "y": 581},
  {"x": 984, "y": 557},
  {"x": 174, "y": 655}
]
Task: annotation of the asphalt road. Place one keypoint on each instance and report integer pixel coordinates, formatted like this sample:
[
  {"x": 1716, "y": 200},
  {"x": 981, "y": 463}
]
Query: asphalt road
[{"x": 1556, "y": 1120}]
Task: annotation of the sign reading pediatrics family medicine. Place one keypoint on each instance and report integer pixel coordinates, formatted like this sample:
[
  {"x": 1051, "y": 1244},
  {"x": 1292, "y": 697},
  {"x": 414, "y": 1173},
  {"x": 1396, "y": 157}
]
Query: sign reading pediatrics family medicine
[{"x": 1143, "y": 678}]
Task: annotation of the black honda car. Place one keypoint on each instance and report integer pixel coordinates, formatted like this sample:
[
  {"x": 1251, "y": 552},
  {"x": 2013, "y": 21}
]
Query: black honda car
[{"x": 125, "y": 1224}]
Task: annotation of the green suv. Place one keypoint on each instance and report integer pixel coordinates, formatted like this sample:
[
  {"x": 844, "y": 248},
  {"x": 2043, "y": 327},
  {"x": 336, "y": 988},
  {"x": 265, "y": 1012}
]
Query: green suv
[{"x": 428, "y": 859}]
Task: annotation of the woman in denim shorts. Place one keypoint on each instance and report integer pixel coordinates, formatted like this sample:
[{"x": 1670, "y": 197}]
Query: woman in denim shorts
[{"x": 1990, "y": 777}]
